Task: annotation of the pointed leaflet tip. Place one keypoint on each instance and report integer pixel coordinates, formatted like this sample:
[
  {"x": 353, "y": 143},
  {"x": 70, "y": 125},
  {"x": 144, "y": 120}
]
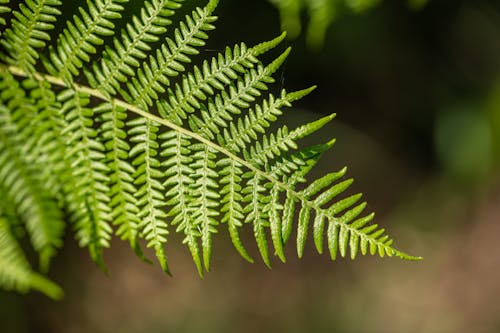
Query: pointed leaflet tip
[
  {"x": 405, "y": 256},
  {"x": 269, "y": 45},
  {"x": 273, "y": 67},
  {"x": 260, "y": 237},
  {"x": 206, "y": 253},
  {"x": 296, "y": 95},
  {"x": 162, "y": 259},
  {"x": 49, "y": 288},
  {"x": 138, "y": 251},
  {"x": 305, "y": 130},
  {"x": 235, "y": 238},
  {"x": 212, "y": 4},
  {"x": 313, "y": 153},
  {"x": 276, "y": 228},
  {"x": 96, "y": 255},
  {"x": 195, "y": 253},
  {"x": 330, "y": 143}
]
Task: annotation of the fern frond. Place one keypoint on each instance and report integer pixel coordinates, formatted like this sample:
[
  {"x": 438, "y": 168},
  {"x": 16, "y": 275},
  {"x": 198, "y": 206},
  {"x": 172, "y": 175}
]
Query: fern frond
[
  {"x": 221, "y": 71},
  {"x": 221, "y": 109},
  {"x": 24, "y": 186},
  {"x": 191, "y": 148},
  {"x": 255, "y": 198},
  {"x": 204, "y": 197},
  {"x": 29, "y": 32},
  {"x": 133, "y": 45},
  {"x": 15, "y": 273},
  {"x": 89, "y": 200},
  {"x": 232, "y": 201},
  {"x": 151, "y": 79},
  {"x": 124, "y": 210},
  {"x": 81, "y": 36},
  {"x": 176, "y": 151},
  {"x": 256, "y": 121},
  {"x": 150, "y": 195},
  {"x": 273, "y": 145},
  {"x": 273, "y": 208},
  {"x": 292, "y": 169},
  {"x": 345, "y": 231},
  {"x": 39, "y": 124},
  {"x": 40, "y": 214},
  {"x": 263, "y": 196}
]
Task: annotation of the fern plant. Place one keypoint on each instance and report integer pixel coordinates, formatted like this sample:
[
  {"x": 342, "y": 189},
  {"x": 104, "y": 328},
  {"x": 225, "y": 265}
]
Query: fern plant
[
  {"x": 322, "y": 14},
  {"x": 117, "y": 132}
]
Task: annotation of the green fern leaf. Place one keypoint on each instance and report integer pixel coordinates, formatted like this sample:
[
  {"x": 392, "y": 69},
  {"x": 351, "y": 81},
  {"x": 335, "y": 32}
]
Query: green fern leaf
[
  {"x": 221, "y": 109},
  {"x": 150, "y": 80},
  {"x": 29, "y": 32},
  {"x": 40, "y": 135},
  {"x": 232, "y": 201},
  {"x": 81, "y": 37},
  {"x": 204, "y": 197},
  {"x": 255, "y": 213},
  {"x": 223, "y": 69},
  {"x": 23, "y": 186},
  {"x": 176, "y": 151},
  {"x": 15, "y": 272},
  {"x": 293, "y": 169},
  {"x": 273, "y": 209},
  {"x": 124, "y": 210},
  {"x": 256, "y": 121},
  {"x": 89, "y": 200},
  {"x": 150, "y": 194},
  {"x": 190, "y": 148},
  {"x": 119, "y": 62}
]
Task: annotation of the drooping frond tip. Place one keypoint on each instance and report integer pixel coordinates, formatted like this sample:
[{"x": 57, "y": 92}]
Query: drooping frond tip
[{"x": 135, "y": 138}]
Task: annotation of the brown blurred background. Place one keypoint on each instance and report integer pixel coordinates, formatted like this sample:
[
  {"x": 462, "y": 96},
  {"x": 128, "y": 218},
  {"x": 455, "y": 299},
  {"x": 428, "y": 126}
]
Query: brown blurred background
[{"x": 417, "y": 94}]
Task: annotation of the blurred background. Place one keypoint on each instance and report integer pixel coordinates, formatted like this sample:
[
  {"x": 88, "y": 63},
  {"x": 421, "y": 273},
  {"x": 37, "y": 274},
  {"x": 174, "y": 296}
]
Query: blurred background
[{"x": 417, "y": 97}]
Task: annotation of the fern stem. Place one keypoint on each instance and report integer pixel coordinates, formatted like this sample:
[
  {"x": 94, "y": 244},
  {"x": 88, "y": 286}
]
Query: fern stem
[{"x": 139, "y": 111}]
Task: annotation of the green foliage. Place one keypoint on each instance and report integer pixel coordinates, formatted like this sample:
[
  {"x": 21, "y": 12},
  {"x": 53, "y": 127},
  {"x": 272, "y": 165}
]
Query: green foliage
[
  {"x": 3, "y": 10},
  {"x": 131, "y": 139},
  {"x": 321, "y": 14},
  {"x": 29, "y": 31}
]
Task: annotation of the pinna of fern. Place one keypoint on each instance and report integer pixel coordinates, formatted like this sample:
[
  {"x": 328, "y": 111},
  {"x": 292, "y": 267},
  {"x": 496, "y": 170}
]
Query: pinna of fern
[{"x": 133, "y": 139}]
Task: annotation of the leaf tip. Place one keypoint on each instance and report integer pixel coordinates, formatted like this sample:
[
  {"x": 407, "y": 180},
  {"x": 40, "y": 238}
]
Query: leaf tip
[
  {"x": 330, "y": 143},
  {"x": 405, "y": 256}
]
